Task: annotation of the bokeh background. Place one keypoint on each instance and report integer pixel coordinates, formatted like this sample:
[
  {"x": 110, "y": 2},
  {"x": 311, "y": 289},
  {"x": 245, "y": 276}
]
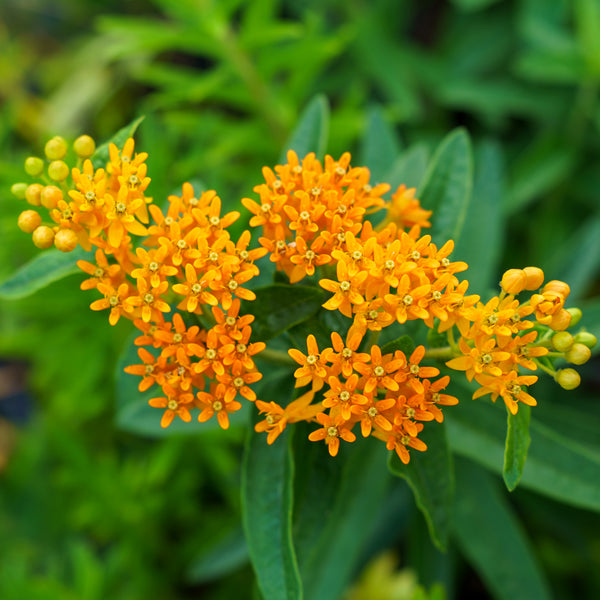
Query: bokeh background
[{"x": 88, "y": 511}]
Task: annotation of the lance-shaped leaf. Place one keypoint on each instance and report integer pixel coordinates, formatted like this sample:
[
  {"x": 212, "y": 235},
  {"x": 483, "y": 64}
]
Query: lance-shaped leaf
[
  {"x": 446, "y": 189},
  {"x": 430, "y": 475},
  {"x": 41, "y": 271},
  {"x": 101, "y": 156},
  {"x": 267, "y": 501},
  {"x": 517, "y": 444},
  {"x": 380, "y": 145},
  {"x": 311, "y": 132}
]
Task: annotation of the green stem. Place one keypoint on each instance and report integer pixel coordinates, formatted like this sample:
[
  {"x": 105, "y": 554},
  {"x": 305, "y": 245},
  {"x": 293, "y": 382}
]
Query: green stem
[
  {"x": 261, "y": 96},
  {"x": 373, "y": 337},
  {"x": 442, "y": 353},
  {"x": 544, "y": 368},
  {"x": 276, "y": 356}
]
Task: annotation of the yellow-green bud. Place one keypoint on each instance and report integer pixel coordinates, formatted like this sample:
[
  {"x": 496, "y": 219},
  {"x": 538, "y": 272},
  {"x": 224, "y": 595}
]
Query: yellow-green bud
[
  {"x": 562, "y": 341},
  {"x": 18, "y": 190},
  {"x": 50, "y": 196},
  {"x": 34, "y": 166},
  {"x": 84, "y": 146},
  {"x": 586, "y": 338},
  {"x": 43, "y": 237},
  {"x": 65, "y": 240},
  {"x": 58, "y": 170},
  {"x": 576, "y": 315},
  {"x": 578, "y": 354},
  {"x": 29, "y": 221},
  {"x": 32, "y": 193},
  {"x": 568, "y": 379},
  {"x": 56, "y": 148}
]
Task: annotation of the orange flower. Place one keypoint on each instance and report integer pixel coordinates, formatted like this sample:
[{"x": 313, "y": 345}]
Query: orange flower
[
  {"x": 277, "y": 417},
  {"x": 313, "y": 365},
  {"x": 115, "y": 299},
  {"x": 510, "y": 386},
  {"x": 215, "y": 403},
  {"x": 195, "y": 290},
  {"x": 176, "y": 403},
  {"x": 332, "y": 430},
  {"x": 346, "y": 290}
]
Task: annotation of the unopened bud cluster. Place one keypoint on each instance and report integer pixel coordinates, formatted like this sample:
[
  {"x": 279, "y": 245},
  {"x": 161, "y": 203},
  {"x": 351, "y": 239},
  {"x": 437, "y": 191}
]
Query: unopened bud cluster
[{"x": 50, "y": 193}]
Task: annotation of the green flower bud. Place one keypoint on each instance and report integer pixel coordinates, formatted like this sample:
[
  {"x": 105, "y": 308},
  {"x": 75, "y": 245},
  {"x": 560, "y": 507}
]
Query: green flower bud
[
  {"x": 58, "y": 170},
  {"x": 84, "y": 146},
  {"x": 34, "y": 166},
  {"x": 562, "y": 341},
  {"x": 18, "y": 190},
  {"x": 576, "y": 315},
  {"x": 586, "y": 338},
  {"x": 56, "y": 148},
  {"x": 578, "y": 354},
  {"x": 568, "y": 379}
]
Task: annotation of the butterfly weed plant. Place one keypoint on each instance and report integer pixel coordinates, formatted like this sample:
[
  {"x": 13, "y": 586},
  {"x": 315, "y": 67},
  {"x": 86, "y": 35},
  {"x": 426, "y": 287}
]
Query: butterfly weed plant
[{"x": 340, "y": 310}]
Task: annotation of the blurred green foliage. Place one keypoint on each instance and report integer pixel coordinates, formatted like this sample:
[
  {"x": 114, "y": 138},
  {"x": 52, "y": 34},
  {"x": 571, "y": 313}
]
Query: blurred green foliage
[{"x": 87, "y": 511}]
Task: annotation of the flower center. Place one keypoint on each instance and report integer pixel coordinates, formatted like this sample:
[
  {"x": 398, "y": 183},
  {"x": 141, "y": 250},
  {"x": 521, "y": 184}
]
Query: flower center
[
  {"x": 241, "y": 348},
  {"x": 153, "y": 266},
  {"x": 408, "y": 300},
  {"x": 172, "y": 404},
  {"x": 211, "y": 354},
  {"x": 372, "y": 412},
  {"x": 217, "y": 405},
  {"x": 230, "y": 321},
  {"x": 332, "y": 432},
  {"x": 181, "y": 244},
  {"x": 311, "y": 359},
  {"x": 304, "y": 215},
  {"x": 346, "y": 353},
  {"x": 345, "y": 286},
  {"x": 414, "y": 369},
  {"x": 177, "y": 337},
  {"x": 410, "y": 412},
  {"x": 345, "y": 396},
  {"x": 196, "y": 288},
  {"x": 379, "y": 371}
]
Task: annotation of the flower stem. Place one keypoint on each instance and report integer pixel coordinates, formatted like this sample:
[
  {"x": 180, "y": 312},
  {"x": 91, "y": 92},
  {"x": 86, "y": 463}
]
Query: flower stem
[
  {"x": 276, "y": 357},
  {"x": 442, "y": 353}
]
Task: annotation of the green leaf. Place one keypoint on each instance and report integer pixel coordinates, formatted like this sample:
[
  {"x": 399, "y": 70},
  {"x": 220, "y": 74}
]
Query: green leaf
[
  {"x": 404, "y": 343},
  {"x": 558, "y": 465},
  {"x": 311, "y": 132},
  {"x": 542, "y": 168},
  {"x": 339, "y": 514},
  {"x": 221, "y": 558},
  {"x": 482, "y": 234},
  {"x": 41, "y": 271},
  {"x": 517, "y": 444},
  {"x": 490, "y": 536},
  {"x": 430, "y": 475},
  {"x": 446, "y": 188},
  {"x": 409, "y": 168},
  {"x": 135, "y": 415},
  {"x": 101, "y": 156},
  {"x": 267, "y": 499},
  {"x": 278, "y": 307},
  {"x": 380, "y": 145}
]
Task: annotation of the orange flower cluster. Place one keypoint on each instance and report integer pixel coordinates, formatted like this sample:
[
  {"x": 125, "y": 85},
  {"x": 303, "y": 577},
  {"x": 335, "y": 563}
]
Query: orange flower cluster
[
  {"x": 389, "y": 395},
  {"x": 189, "y": 260},
  {"x": 494, "y": 346},
  {"x": 312, "y": 215},
  {"x": 307, "y": 209}
]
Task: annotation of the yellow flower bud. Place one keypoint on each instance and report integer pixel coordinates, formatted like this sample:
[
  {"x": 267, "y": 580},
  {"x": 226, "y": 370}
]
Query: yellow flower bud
[
  {"x": 58, "y": 170},
  {"x": 56, "y": 148},
  {"x": 561, "y": 320},
  {"x": 514, "y": 281},
  {"x": 576, "y": 315},
  {"x": 34, "y": 166},
  {"x": 558, "y": 287},
  {"x": 535, "y": 278},
  {"x": 43, "y": 237},
  {"x": 65, "y": 240},
  {"x": 579, "y": 354},
  {"x": 586, "y": 338},
  {"x": 29, "y": 221},
  {"x": 562, "y": 341},
  {"x": 84, "y": 146},
  {"x": 568, "y": 379},
  {"x": 50, "y": 196},
  {"x": 32, "y": 193},
  {"x": 18, "y": 190}
]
